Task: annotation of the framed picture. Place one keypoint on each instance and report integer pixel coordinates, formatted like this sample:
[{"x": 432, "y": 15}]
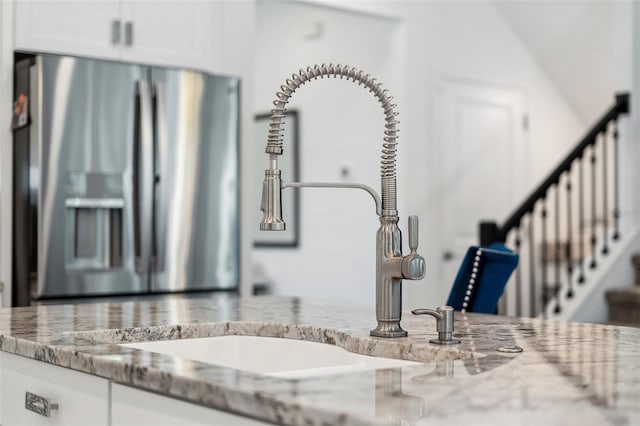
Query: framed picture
[{"x": 288, "y": 164}]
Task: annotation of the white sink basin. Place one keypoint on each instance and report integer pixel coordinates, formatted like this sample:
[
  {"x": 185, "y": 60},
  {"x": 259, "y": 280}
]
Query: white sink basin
[{"x": 270, "y": 355}]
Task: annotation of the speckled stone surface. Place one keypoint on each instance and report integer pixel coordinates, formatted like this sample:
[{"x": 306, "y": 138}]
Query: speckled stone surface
[{"x": 567, "y": 374}]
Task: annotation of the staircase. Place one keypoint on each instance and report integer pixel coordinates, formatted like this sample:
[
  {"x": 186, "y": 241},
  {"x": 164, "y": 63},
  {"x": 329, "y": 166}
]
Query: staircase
[{"x": 568, "y": 231}]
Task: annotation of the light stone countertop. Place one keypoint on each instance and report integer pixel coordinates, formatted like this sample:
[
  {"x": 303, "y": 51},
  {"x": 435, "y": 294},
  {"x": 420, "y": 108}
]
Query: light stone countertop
[{"x": 568, "y": 373}]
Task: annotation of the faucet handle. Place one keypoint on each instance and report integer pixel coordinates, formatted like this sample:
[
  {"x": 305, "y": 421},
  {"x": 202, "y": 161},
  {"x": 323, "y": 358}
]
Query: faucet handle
[
  {"x": 413, "y": 265},
  {"x": 413, "y": 233}
]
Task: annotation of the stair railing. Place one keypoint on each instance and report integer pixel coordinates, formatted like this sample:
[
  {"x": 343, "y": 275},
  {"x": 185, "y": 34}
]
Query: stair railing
[{"x": 586, "y": 214}]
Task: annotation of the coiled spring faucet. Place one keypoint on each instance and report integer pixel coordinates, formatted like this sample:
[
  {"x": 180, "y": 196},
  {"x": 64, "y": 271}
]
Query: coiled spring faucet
[{"x": 391, "y": 265}]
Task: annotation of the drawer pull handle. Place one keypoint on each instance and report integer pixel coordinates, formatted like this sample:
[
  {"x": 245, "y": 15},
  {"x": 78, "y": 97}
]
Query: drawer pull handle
[{"x": 38, "y": 404}]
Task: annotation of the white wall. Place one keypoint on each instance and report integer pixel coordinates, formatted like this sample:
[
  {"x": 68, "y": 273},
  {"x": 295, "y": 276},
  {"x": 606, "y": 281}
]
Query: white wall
[
  {"x": 463, "y": 39},
  {"x": 624, "y": 53},
  {"x": 635, "y": 113},
  {"x": 341, "y": 125},
  {"x": 241, "y": 60},
  {"x": 574, "y": 41},
  {"x": 619, "y": 272}
]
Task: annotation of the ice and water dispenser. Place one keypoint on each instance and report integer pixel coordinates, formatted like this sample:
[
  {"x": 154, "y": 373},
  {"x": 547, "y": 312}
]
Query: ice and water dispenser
[{"x": 94, "y": 221}]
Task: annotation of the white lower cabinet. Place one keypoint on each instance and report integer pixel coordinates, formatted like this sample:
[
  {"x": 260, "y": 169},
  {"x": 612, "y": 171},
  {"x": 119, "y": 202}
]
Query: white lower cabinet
[
  {"x": 74, "y": 398},
  {"x": 82, "y": 399},
  {"x": 135, "y": 407}
]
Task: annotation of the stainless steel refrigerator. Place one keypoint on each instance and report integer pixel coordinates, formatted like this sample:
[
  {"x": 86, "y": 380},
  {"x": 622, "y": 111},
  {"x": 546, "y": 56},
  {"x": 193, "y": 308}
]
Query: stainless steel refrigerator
[{"x": 126, "y": 179}]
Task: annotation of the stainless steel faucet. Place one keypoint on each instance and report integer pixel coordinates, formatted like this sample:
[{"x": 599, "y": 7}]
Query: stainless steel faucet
[{"x": 391, "y": 265}]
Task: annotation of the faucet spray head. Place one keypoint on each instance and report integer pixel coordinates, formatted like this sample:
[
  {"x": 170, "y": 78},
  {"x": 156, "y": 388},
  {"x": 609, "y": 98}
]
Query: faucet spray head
[{"x": 271, "y": 204}]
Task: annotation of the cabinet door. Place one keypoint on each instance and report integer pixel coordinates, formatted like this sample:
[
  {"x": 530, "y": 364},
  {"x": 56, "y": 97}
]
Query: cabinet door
[
  {"x": 70, "y": 27},
  {"x": 82, "y": 399},
  {"x": 135, "y": 407},
  {"x": 183, "y": 33},
  {"x": 1, "y": 375},
  {"x": 238, "y": 36}
]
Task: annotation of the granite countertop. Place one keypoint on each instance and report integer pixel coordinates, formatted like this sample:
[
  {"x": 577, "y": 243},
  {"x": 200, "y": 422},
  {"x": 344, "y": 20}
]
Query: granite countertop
[{"x": 568, "y": 373}]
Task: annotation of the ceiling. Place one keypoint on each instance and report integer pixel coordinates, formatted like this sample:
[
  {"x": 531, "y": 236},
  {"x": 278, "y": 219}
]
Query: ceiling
[{"x": 573, "y": 41}]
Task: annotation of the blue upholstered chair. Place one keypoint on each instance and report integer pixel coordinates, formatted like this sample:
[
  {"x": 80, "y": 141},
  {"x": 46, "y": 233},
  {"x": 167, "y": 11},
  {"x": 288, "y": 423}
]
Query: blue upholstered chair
[{"x": 481, "y": 278}]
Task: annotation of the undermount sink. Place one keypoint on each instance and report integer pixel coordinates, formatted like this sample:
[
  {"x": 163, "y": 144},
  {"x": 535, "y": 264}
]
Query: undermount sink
[{"x": 271, "y": 356}]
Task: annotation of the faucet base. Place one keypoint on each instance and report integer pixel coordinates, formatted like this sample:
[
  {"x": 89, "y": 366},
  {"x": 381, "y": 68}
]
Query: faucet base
[{"x": 388, "y": 329}]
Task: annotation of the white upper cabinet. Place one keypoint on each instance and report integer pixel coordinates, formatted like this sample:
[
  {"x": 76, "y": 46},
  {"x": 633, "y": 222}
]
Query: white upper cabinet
[
  {"x": 238, "y": 38},
  {"x": 182, "y": 33},
  {"x": 72, "y": 27}
]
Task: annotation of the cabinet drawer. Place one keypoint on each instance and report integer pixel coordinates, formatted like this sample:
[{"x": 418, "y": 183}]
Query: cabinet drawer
[
  {"x": 82, "y": 399},
  {"x": 135, "y": 407}
]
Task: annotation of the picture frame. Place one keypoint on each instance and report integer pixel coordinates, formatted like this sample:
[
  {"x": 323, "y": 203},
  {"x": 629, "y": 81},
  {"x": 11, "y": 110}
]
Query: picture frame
[{"x": 288, "y": 163}]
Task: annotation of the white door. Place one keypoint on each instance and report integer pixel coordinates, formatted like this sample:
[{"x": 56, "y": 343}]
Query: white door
[{"x": 481, "y": 163}]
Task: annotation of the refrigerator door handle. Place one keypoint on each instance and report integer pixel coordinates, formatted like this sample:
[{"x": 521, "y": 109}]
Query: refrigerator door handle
[
  {"x": 142, "y": 175},
  {"x": 155, "y": 100},
  {"x": 158, "y": 236}
]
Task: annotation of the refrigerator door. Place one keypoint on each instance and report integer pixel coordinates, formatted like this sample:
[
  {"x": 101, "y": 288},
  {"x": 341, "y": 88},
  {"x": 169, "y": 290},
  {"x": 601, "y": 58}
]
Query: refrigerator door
[
  {"x": 91, "y": 127},
  {"x": 196, "y": 212}
]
